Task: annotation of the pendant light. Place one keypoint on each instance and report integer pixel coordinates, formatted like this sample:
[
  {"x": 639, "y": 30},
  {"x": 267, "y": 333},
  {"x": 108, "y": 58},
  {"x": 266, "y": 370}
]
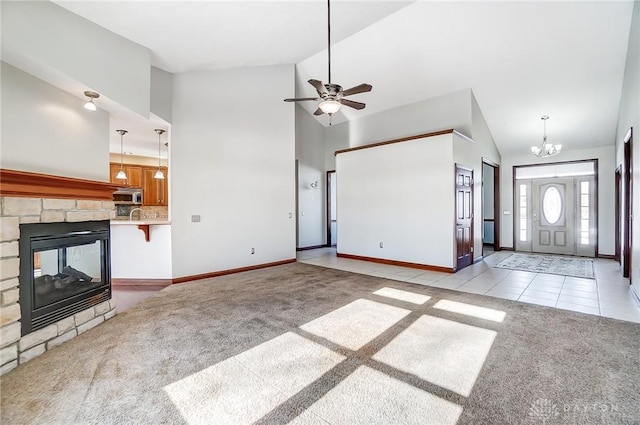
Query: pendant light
[
  {"x": 159, "y": 174},
  {"x": 121, "y": 174},
  {"x": 91, "y": 95},
  {"x": 546, "y": 149}
]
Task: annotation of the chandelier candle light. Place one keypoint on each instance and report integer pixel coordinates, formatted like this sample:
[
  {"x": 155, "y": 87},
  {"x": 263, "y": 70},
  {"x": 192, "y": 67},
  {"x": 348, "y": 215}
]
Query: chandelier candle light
[
  {"x": 121, "y": 174},
  {"x": 159, "y": 174},
  {"x": 546, "y": 149}
]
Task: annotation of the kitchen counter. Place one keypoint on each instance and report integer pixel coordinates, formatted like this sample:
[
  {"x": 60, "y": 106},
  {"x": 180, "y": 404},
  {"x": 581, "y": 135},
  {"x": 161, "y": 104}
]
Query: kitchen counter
[
  {"x": 141, "y": 249},
  {"x": 147, "y": 221}
]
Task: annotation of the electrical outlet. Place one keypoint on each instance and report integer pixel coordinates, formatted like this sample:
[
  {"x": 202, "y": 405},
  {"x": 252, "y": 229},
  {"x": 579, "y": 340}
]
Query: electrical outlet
[
  {"x": 381, "y": 245},
  {"x": 253, "y": 251},
  {"x": 195, "y": 218}
]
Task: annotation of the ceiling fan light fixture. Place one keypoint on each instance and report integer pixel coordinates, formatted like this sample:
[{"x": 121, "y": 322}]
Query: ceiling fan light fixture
[{"x": 330, "y": 106}]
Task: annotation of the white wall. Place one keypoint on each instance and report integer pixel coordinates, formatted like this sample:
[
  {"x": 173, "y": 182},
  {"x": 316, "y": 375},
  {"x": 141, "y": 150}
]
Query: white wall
[
  {"x": 161, "y": 93},
  {"x": 397, "y": 194},
  {"x": 606, "y": 186},
  {"x": 46, "y": 130},
  {"x": 132, "y": 257},
  {"x": 233, "y": 163},
  {"x": 451, "y": 111},
  {"x": 48, "y": 41},
  {"x": 310, "y": 148},
  {"x": 630, "y": 117}
]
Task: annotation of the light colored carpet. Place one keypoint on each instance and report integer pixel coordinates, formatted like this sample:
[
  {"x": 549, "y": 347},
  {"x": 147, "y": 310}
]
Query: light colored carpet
[
  {"x": 308, "y": 345},
  {"x": 552, "y": 264}
]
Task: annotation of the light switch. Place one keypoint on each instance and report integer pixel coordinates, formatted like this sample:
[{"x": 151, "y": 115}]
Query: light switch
[
  {"x": 506, "y": 212},
  {"x": 195, "y": 218}
]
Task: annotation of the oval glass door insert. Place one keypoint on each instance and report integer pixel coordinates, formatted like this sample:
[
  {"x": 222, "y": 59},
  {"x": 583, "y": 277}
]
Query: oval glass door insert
[{"x": 552, "y": 205}]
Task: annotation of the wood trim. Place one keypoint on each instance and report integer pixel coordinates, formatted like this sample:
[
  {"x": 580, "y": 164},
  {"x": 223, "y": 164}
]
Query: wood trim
[
  {"x": 477, "y": 260},
  {"x": 35, "y": 185},
  {"x": 140, "y": 282},
  {"x": 627, "y": 200},
  {"x": 489, "y": 219},
  {"x": 403, "y": 139},
  {"x": 231, "y": 271},
  {"x": 307, "y": 248},
  {"x": 617, "y": 206},
  {"x": 607, "y": 256},
  {"x": 506, "y": 248},
  {"x": 328, "y": 204},
  {"x": 497, "y": 208},
  {"x": 397, "y": 263},
  {"x": 544, "y": 164}
]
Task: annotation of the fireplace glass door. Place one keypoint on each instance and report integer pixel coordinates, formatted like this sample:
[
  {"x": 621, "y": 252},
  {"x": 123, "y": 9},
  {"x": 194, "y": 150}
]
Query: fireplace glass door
[
  {"x": 64, "y": 269},
  {"x": 64, "y": 272}
]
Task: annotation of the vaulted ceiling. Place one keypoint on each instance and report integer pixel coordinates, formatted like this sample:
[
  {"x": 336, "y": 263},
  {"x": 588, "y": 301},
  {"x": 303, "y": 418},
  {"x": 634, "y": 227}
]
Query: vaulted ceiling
[{"x": 521, "y": 59}]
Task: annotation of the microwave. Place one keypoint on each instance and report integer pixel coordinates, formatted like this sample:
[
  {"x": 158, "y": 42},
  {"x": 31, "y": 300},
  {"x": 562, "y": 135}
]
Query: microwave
[{"x": 127, "y": 196}]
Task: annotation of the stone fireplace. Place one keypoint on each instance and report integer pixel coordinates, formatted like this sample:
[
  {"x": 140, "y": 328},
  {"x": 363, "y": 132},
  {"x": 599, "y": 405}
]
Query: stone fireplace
[{"x": 64, "y": 221}]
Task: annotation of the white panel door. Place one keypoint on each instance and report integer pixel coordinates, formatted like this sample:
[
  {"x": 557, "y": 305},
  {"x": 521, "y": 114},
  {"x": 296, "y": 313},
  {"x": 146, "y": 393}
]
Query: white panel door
[{"x": 553, "y": 222}]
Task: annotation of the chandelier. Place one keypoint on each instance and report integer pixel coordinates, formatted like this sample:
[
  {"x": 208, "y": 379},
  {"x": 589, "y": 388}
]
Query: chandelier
[{"x": 545, "y": 149}]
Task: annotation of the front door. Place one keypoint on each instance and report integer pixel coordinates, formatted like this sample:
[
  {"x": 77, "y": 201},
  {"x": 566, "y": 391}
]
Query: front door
[
  {"x": 556, "y": 215},
  {"x": 464, "y": 217},
  {"x": 552, "y": 215}
]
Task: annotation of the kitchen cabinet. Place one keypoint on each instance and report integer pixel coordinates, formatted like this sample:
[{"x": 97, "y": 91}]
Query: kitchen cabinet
[
  {"x": 155, "y": 191},
  {"x": 134, "y": 175}
]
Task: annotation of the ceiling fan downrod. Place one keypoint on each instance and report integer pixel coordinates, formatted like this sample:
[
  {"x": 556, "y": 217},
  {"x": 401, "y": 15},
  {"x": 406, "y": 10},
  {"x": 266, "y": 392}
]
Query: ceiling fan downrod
[{"x": 329, "y": 36}]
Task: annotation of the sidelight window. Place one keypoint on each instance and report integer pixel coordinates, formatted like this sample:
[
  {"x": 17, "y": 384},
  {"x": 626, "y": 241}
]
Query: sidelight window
[
  {"x": 523, "y": 212},
  {"x": 584, "y": 213}
]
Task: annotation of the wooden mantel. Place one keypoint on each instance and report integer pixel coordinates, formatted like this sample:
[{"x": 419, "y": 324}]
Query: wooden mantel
[{"x": 35, "y": 185}]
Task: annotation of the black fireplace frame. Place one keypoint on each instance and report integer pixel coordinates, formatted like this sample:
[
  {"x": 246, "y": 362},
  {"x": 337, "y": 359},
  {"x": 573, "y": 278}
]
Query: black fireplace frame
[{"x": 42, "y": 236}]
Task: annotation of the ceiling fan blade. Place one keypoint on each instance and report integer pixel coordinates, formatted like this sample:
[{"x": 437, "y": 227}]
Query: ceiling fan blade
[
  {"x": 320, "y": 88},
  {"x": 357, "y": 89},
  {"x": 352, "y": 104},
  {"x": 298, "y": 99},
  {"x": 318, "y": 112}
]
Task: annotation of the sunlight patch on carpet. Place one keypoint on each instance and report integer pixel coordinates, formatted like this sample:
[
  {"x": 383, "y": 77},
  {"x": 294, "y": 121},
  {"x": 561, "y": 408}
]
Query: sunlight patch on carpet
[
  {"x": 471, "y": 310},
  {"x": 355, "y": 324},
  {"x": 443, "y": 352},
  {"x": 371, "y": 397},
  {"x": 244, "y": 388},
  {"x": 552, "y": 264},
  {"x": 398, "y": 294}
]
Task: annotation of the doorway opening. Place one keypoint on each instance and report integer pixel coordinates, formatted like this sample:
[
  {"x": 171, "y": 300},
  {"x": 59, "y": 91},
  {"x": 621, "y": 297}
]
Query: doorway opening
[
  {"x": 627, "y": 203},
  {"x": 618, "y": 210},
  {"x": 556, "y": 208},
  {"x": 490, "y": 207},
  {"x": 332, "y": 216}
]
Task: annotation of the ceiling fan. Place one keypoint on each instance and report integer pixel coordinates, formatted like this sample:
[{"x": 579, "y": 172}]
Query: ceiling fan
[{"x": 332, "y": 96}]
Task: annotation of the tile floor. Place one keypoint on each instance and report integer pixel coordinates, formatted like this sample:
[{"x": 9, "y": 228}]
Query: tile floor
[
  {"x": 609, "y": 295},
  {"x": 129, "y": 295}
]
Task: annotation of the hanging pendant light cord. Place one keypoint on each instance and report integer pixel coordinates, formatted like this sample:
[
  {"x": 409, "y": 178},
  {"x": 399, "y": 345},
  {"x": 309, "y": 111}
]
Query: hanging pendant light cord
[{"x": 121, "y": 153}]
